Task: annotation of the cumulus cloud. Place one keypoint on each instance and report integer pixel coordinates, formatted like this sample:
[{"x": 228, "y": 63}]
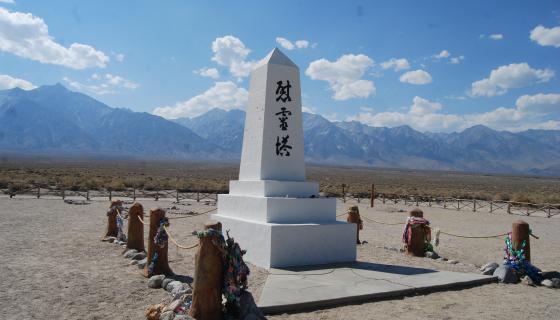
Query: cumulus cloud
[
  {"x": 496, "y": 36},
  {"x": 456, "y": 60},
  {"x": 289, "y": 45},
  {"x": 229, "y": 51},
  {"x": 443, "y": 54},
  {"x": 8, "y": 82},
  {"x": 27, "y": 36},
  {"x": 223, "y": 95},
  {"x": 101, "y": 84},
  {"x": 208, "y": 72},
  {"x": 545, "y": 36},
  {"x": 515, "y": 75},
  {"x": 8, "y": 1},
  {"x": 344, "y": 76},
  {"x": 538, "y": 111},
  {"x": 417, "y": 77},
  {"x": 119, "y": 57},
  {"x": 396, "y": 64}
]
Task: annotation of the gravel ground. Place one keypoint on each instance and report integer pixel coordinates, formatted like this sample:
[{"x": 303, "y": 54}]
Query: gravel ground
[{"x": 54, "y": 265}]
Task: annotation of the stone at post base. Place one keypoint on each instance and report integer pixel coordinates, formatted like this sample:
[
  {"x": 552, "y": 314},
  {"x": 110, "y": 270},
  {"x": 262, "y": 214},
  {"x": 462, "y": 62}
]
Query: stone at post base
[
  {"x": 135, "y": 228},
  {"x": 162, "y": 263},
  {"x": 112, "y": 229}
]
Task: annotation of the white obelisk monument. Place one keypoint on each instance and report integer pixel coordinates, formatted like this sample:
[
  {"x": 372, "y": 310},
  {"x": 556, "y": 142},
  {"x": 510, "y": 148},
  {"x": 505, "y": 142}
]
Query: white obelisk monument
[{"x": 271, "y": 210}]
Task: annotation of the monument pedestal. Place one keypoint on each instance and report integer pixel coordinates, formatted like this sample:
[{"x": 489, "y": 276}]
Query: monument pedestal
[{"x": 272, "y": 212}]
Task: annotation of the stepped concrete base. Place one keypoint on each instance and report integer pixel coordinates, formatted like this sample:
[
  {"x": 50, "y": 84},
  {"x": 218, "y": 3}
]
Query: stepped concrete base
[
  {"x": 282, "y": 245},
  {"x": 322, "y": 286}
]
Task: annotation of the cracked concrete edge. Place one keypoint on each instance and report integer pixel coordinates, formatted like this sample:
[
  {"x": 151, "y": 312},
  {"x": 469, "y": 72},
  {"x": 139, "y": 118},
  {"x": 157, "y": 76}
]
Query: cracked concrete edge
[{"x": 313, "y": 305}]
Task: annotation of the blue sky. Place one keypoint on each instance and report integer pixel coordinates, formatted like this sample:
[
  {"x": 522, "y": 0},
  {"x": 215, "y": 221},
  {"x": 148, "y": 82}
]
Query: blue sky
[{"x": 434, "y": 65}]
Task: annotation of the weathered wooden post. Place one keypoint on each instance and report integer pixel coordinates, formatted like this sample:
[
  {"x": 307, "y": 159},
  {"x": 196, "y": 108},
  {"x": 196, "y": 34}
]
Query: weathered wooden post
[
  {"x": 354, "y": 217},
  {"x": 110, "y": 195},
  {"x": 372, "y": 196},
  {"x": 112, "y": 229},
  {"x": 509, "y": 208},
  {"x": 519, "y": 233},
  {"x": 208, "y": 276},
  {"x": 135, "y": 228},
  {"x": 38, "y": 192},
  {"x": 87, "y": 195},
  {"x": 474, "y": 205},
  {"x": 197, "y": 196},
  {"x": 134, "y": 194},
  {"x": 383, "y": 195},
  {"x": 157, "y": 195},
  {"x": 343, "y": 193},
  {"x": 63, "y": 194},
  {"x": 156, "y": 252},
  {"x": 177, "y": 196},
  {"x": 417, "y": 236},
  {"x": 491, "y": 206}
]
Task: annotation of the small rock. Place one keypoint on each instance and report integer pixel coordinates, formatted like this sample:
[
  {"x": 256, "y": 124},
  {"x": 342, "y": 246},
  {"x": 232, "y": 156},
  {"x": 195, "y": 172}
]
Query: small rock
[
  {"x": 119, "y": 243},
  {"x": 489, "y": 268},
  {"x": 489, "y": 265},
  {"x": 111, "y": 239},
  {"x": 248, "y": 308},
  {"x": 155, "y": 281},
  {"x": 505, "y": 274},
  {"x": 431, "y": 255},
  {"x": 452, "y": 261},
  {"x": 528, "y": 281},
  {"x": 555, "y": 283},
  {"x": 182, "y": 317},
  {"x": 165, "y": 282},
  {"x": 130, "y": 253},
  {"x": 167, "y": 315},
  {"x": 547, "y": 283},
  {"x": 139, "y": 256},
  {"x": 133, "y": 262},
  {"x": 142, "y": 263}
]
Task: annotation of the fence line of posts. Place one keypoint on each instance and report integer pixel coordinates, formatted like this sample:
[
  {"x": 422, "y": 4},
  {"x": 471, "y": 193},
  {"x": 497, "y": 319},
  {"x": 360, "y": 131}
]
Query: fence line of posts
[{"x": 458, "y": 204}]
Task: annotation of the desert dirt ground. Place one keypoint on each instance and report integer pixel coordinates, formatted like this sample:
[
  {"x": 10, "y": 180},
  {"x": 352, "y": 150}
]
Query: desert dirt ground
[{"x": 54, "y": 266}]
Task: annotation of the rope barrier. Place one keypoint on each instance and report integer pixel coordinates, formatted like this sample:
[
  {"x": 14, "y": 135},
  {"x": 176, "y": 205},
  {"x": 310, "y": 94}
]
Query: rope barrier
[
  {"x": 175, "y": 242},
  {"x": 194, "y": 215},
  {"x": 144, "y": 223},
  {"x": 119, "y": 214},
  {"x": 385, "y": 223}
]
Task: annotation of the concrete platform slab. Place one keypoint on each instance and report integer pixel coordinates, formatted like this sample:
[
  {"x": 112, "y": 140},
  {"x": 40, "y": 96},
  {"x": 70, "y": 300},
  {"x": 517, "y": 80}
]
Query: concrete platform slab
[{"x": 289, "y": 290}]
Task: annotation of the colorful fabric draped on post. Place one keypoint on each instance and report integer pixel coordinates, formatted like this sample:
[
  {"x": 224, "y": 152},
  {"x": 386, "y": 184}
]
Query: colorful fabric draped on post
[
  {"x": 161, "y": 236},
  {"x": 417, "y": 222},
  {"x": 517, "y": 261},
  {"x": 236, "y": 272}
]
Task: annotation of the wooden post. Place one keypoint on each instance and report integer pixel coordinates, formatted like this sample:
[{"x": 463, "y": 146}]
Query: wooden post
[
  {"x": 416, "y": 197},
  {"x": 417, "y": 236},
  {"x": 491, "y": 203},
  {"x": 520, "y": 233},
  {"x": 343, "y": 193},
  {"x": 354, "y": 217},
  {"x": 474, "y": 205},
  {"x": 444, "y": 203},
  {"x": 157, "y": 195},
  {"x": 161, "y": 265},
  {"x": 548, "y": 214},
  {"x": 110, "y": 195},
  {"x": 509, "y": 208},
  {"x": 63, "y": 194},
  {"x": 208, "y": 277},
  {"x": 383, "y": 195},
  {"x": 38, "y": 192},
  {"x": 197, "y": 196},
  {"x": 112, "y": 230},
  {"x": 87, "y": 195},
  {"x": 177, "y": 196},
  {"x": 372, "y": 197},
  {"x": 134, "y": 194},
  {"x": 135, "y": 228}
]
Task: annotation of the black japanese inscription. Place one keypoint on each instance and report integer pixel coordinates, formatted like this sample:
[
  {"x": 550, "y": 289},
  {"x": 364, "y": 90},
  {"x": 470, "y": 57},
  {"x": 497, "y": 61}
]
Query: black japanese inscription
[
  {"x": 283, "y": 92},
  {"x": 283, "y": 117},
  {"x": 282, "y": 147}
]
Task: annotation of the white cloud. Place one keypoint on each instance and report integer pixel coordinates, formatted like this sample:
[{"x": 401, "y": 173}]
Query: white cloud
[
  {"x": 344, "y": 76},
  {"x": 224, "y": 95},
  {"x": 8, "y": 82},
  {"x": 418, "y": 77},
  {"x": 119, "y": 57},
  {"x": 515, "y": 75},
  {"x": 496, "y": 36},
  {"x": 442, "y": 54},
  {"x": 545, "y": 36},
  {"x": 28, "y": 36},
  {"x": 231, "y": 52},
  {"x": 289, "y": 45},
  {"x": 396, "y": 64},
  {"x": 539, "y": 111},
  {"x": 8, "y": 1},
  {"x": 208, "y": 72},
  {"x": 102, "y": 84},
  {"x": 456, "y": 60}
]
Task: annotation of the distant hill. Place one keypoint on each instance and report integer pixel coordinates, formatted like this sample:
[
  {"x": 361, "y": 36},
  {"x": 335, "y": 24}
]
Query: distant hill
[{"x": 52, "y": 119}]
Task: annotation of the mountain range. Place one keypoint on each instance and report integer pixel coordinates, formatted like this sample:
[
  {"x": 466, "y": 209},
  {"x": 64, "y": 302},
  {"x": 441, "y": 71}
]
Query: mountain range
[{"x": 52, "y": 119}]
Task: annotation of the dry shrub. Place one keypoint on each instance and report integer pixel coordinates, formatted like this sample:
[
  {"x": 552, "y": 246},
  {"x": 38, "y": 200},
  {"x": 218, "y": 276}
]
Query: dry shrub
[{"x": 521, "y": 197}]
